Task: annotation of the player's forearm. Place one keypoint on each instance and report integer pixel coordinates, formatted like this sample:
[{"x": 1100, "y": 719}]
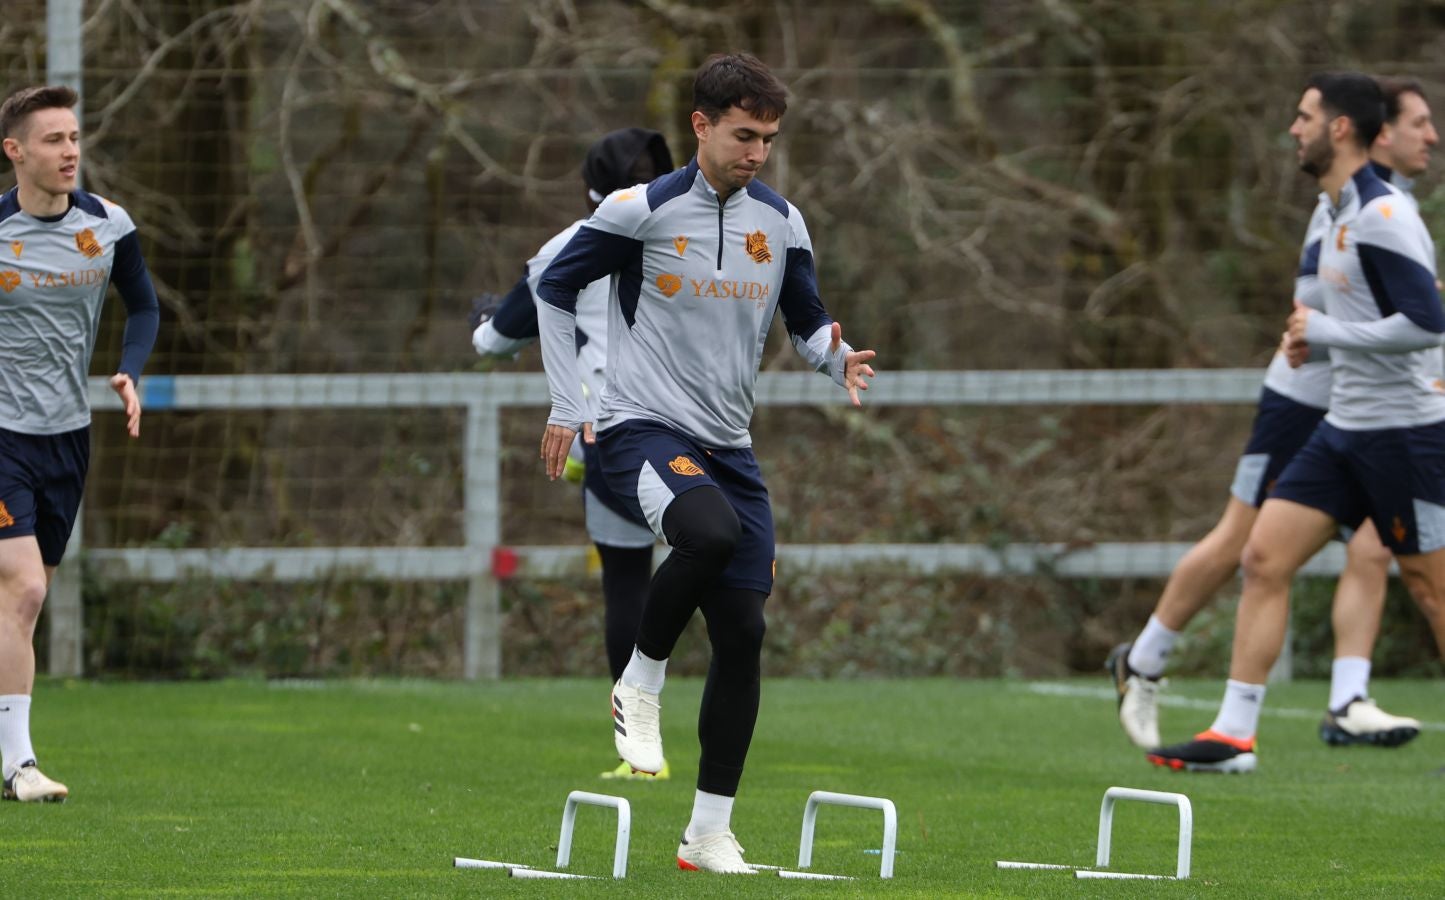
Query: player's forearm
[
  {"x": 142, "y": 309},
  {"x": 559, "y": 358},
  {"x": 1392, "y": 334}
]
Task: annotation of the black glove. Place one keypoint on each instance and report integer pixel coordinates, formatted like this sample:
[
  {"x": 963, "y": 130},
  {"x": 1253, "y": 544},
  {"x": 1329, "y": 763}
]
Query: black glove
[{"x": 484, "y": 306}]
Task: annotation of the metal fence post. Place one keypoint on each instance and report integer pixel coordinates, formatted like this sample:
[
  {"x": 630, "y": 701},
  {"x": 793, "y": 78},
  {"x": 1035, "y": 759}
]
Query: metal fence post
[
  {"x": 482, "y": 647},
  {"x": 63, "y": 63}
]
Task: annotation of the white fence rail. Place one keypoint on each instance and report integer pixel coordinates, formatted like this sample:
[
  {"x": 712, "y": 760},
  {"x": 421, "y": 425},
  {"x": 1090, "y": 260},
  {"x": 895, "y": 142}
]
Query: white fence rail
[{"x": 485, "y": 395}]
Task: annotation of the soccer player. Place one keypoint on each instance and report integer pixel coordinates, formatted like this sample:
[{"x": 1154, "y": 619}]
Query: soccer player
[
  {"x": 700, "y": 261},
  {"x": 59, "y": 248},
  {"x": 1380, "y": 451},
  {"x": 624, "y": 541},
  {"x": 1293, "y": 401}
]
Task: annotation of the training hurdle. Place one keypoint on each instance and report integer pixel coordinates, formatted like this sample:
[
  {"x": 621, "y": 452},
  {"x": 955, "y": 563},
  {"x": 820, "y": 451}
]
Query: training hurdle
[
  {"x": 1106, "y": 835},
  {"x": 819, "y": 799},
  {"x": 564, "y": 841}
]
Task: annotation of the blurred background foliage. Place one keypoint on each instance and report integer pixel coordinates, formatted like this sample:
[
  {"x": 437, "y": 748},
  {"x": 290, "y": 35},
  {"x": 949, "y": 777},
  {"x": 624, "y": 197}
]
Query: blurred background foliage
[{"x": 322, "y": 184}]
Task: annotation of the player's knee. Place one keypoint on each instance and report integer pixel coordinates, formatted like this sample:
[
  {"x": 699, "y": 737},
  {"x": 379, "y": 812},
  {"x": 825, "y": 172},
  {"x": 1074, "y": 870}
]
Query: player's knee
[
  {"x": 1260, "y": 562},
  {"x": 21, "y": 598},
  {"x": 1372, "y": 557}
]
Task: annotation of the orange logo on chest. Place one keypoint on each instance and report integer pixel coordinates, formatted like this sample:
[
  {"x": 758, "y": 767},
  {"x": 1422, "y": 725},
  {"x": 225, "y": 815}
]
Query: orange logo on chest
[
  {"x": 1340, "y": 240},
  {"x": 9, "y": 281},
  {"x": 757, "y": 247},
  {"x": 679, "y": 243},
  {"x": 669, "y": 284},
  {"x": 86, "y": 243},
  {"x": 16, "y": 247}
]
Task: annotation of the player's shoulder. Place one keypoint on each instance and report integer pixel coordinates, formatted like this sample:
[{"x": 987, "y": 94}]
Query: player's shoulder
[
  {"x": 103, "y": 209},
  {"x": 1387, "y": 211},
  {"x": 9, "y": 204}
]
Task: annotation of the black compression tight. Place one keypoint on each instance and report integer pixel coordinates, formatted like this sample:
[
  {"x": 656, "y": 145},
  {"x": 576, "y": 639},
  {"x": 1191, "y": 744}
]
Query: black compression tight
[
  {"x": 625, "y": 575},
  {"x": 730, "y": 698},
  {"x": 703, "y": 530}
]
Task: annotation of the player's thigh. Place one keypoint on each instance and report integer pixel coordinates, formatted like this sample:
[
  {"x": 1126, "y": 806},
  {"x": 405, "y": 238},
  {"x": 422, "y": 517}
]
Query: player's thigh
[
  {"x": 1285, "y": 536},
  {"x": 646, "y": 466},
  {"x": 753, "y": 565}
]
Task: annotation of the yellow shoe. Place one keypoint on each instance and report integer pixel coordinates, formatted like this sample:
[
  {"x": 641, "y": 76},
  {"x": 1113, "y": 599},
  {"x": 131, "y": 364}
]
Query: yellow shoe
[{"x": 624, "y": 772}]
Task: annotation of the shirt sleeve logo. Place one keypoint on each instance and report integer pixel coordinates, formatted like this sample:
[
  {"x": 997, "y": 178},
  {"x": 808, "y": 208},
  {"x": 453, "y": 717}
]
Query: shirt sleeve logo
[
  {"x": 679, "y": 243},
  {"x": 1386, "y": 211},
  {"x": 669, "y": 284},
  {"x": 9, "y": 280},
  {"x": 86, "y": 243},
  {"x": 684, "y": 466},
  {"x": 757, "y": 247}
]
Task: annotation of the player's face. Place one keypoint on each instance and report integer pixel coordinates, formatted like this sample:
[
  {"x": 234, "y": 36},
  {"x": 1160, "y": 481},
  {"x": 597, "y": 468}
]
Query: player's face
[
  {"x": 1408, "y": 139},
  {"x": 1311, "y": 133},
  {"x": 46, "y": 153},
  {"x": 733, "y": 149}
]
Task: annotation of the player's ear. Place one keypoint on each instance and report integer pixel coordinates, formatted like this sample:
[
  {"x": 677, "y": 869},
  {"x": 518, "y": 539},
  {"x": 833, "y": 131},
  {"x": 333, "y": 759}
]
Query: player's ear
[{"x": 12, "y": 149}]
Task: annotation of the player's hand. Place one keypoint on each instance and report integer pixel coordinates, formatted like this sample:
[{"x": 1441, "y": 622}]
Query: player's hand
[
  {"x": 556, "y": 443},
  {"x": 1296, "y": 348},
  {"x": 125, "y": 388},
  {"x": 855, "y": 366}
]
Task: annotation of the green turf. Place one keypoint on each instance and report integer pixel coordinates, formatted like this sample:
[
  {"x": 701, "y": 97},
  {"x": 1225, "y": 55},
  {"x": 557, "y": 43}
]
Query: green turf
[{"x": 244, "y": 789}]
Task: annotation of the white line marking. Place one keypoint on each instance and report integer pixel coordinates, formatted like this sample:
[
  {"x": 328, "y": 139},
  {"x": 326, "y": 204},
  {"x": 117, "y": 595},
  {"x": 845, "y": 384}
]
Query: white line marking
[{"x": 1060, "y": 689}]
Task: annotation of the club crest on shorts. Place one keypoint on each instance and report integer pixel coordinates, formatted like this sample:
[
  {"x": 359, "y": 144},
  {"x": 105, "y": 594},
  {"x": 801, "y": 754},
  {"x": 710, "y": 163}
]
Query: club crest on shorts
[
  {"x": 684, "y": 466},
  {"x": 86, "y": 243},
  {"x": 6, "y": 520},
  {"x": 757, "y": 247}
]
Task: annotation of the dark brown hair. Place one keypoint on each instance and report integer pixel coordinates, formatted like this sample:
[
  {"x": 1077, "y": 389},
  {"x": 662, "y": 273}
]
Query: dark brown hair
[
  {"x": 738, "y": 79},
  {"x": 1393, "y": 87},
  {"x": 19, "y": 105}
]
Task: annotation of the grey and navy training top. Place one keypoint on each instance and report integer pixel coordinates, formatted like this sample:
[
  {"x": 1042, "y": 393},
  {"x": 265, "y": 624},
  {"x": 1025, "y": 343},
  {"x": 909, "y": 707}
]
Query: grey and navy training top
[
  {"x": 1309, "y": 384},
  {"x": 53, "y": 276},
  {"x": 695, "y": 283},
  {"x": 1382, "y": 319}
]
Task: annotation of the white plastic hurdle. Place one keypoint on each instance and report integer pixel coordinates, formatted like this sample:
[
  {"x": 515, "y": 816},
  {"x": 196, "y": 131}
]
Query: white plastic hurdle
[
  {"x": 1106, "y": 834},
  {"x": 564, "y": 841},
  {"x": 1106, "y": 830},
  {"x": 819, "y": 799},
  {"x": 569, "y": 821}
]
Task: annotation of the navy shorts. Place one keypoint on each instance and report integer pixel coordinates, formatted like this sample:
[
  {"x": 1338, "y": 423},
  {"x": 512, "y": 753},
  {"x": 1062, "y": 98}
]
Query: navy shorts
[
  {"x": 1394, "y": 476},
  {"x": 1281, "y": 428},
  {"x": 42, "y": 480},
  {"x": 610, "y": 522},
  {"x": 647, "y": 465}
]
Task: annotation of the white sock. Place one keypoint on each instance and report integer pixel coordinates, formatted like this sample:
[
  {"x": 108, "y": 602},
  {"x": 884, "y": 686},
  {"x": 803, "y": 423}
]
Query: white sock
[
  {"x": 1239, "y": 713},
  {"x": 1151, "y": 648},
  {"x": 1349, "y": 678},
  {"x": 644, "y": 672},
  {"x": 15, "y": 732},
  {"x": 711, "y": 813}
]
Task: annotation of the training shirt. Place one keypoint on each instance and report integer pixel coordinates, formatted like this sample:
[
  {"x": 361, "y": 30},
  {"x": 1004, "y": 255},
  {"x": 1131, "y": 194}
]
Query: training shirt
[
  {"x": 53, "y": 276},
  {"x": 1309, "y": 384},
  {"x": 591, "y": 340},
  {"x": 695, "y": 283},
  {"x": 1382, "y": 319}
]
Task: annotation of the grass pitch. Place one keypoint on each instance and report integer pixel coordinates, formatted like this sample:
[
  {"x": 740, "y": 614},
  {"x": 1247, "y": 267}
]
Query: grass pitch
[{"x": 349, "y": 789}]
